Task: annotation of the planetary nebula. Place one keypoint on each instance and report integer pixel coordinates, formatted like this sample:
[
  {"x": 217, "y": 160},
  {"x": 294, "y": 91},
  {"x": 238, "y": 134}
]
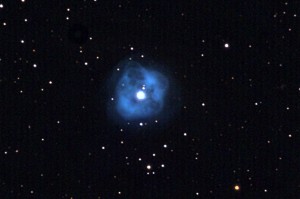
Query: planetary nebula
[
  {"x": 140, "y": 92},
  {"x": 143, "y": 93}
]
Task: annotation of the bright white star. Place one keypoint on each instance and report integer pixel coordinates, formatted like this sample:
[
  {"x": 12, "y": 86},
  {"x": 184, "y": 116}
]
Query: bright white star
[{"x": 140, "y": 95}]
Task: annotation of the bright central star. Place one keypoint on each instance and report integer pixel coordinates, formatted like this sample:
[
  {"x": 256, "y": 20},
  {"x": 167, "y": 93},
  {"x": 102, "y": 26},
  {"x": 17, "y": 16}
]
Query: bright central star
[{"x": 141, "y": 95}]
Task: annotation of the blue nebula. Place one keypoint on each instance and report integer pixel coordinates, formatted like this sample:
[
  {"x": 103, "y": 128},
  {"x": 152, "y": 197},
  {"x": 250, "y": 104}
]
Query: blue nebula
[{"x": 140, "y": 92}]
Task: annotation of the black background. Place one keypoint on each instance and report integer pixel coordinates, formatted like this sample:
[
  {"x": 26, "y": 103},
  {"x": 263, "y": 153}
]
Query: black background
[{"x": 239, "y": 118}]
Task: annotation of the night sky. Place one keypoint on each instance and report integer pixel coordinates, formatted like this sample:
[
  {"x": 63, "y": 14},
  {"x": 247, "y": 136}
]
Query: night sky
[{"x": 229, "y": 127}]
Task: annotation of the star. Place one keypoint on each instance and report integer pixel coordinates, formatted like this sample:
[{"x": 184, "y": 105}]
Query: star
[
  {"x": 236, "y": 187},
  {"x": 140, "y": 95}
]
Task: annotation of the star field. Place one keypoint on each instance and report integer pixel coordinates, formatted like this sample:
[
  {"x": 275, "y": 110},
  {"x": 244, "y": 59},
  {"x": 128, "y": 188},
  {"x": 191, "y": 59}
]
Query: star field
[{"x": 226, "y": 122}]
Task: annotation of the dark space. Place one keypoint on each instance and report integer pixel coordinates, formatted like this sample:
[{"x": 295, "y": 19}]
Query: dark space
[{"x": 235, "y": 69}]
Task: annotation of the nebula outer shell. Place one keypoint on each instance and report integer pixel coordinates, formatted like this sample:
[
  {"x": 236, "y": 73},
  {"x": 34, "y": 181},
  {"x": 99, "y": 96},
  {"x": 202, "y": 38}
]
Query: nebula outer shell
[{"x": 136, "y": 78}]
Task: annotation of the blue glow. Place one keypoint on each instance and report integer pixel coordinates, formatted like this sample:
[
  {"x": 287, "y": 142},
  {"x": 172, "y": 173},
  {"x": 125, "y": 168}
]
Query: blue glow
[{"x": 140, "y": 92}]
